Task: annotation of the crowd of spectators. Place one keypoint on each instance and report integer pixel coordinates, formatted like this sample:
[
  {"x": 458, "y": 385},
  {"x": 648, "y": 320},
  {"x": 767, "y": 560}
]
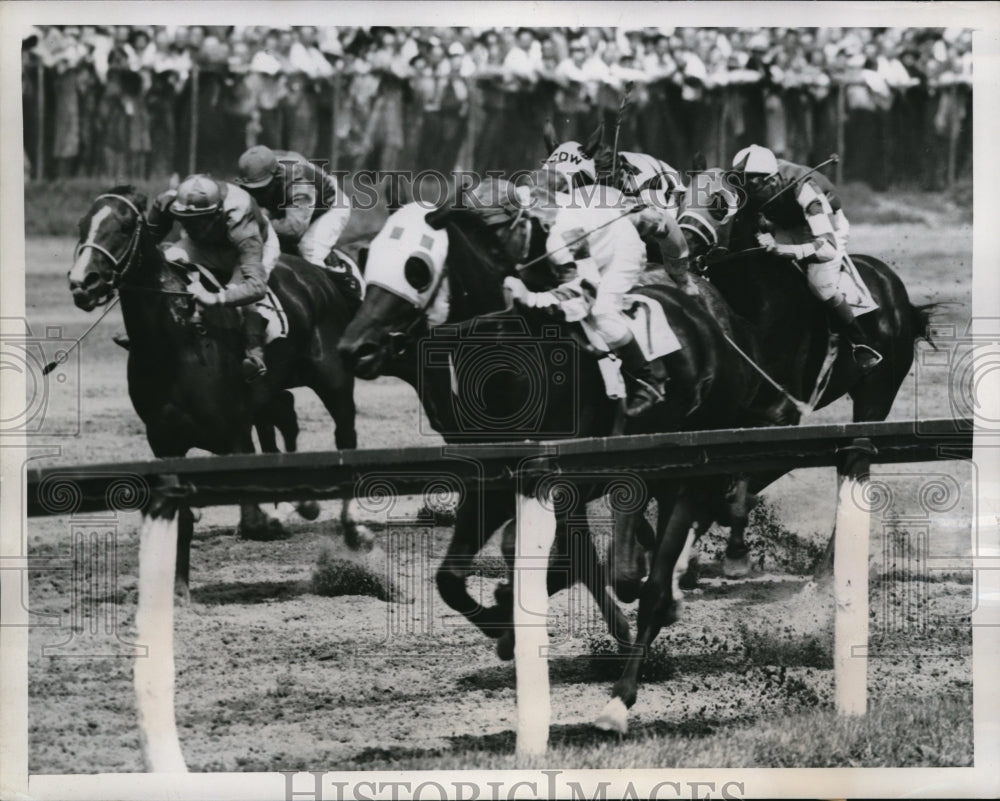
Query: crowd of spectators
[{"x": 131, "y": 102}]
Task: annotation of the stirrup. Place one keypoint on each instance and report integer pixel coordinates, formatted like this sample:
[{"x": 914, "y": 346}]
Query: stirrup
[
  {"x": 253, "y": 369},
  {"x": 866, "y": 357}
]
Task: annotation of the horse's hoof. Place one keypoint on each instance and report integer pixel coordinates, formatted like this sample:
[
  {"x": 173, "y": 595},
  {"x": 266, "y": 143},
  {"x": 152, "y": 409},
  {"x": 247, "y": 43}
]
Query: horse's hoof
[
  {"x": 505, "y": 646},
  {"x": 614, "y": 718},
  {"x": 308, "y": 510},
  {"x": 358, "y": 537},
  {"x": 736, "y": 566},
  {"x": 182, "y": 593}
]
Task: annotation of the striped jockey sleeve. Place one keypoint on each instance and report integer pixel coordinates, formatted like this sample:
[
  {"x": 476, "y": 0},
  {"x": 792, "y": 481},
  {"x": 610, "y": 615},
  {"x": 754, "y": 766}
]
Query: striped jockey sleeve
[{"x": 819, "y": 217}]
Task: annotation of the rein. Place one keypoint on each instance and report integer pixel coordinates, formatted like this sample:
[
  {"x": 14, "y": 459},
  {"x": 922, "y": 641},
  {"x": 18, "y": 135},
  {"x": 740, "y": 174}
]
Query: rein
[{"x": 128, "y": 259}]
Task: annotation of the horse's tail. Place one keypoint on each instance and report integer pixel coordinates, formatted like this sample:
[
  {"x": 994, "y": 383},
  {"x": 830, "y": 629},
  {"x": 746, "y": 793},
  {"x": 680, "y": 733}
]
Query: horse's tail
[{"x": 923, "y": 317}]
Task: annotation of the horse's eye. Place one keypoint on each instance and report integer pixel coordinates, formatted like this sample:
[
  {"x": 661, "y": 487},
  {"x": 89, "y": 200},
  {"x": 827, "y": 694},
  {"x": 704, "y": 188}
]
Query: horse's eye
[{"x": 417, "y": 273}]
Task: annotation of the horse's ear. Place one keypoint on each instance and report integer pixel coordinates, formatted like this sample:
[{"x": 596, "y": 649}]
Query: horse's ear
[
  {"x": 175, "y": 181},
  {"x": 594, "y": 142},
  {"x": 437, "y": 218},
  {"x": 141, "y": 201},
  {"x": 549, "y": 135},
  {"x": 699, "y": 164}
]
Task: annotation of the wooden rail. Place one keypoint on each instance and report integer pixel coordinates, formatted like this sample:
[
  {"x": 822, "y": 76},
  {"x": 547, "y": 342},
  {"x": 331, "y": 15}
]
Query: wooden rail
[{"x": 518, "y": 465}]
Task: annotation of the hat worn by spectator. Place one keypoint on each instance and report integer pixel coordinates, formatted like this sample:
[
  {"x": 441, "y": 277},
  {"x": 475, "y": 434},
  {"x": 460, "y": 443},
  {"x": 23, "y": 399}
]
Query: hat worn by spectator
[
  {"x": 456, "y": 49},
  {"x": 257, "y": 167}
]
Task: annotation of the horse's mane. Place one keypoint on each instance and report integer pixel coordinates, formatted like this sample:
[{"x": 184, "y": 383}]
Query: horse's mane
[
  {"x": 129, "y": 191},
  {"x": 478, "y": 262}
]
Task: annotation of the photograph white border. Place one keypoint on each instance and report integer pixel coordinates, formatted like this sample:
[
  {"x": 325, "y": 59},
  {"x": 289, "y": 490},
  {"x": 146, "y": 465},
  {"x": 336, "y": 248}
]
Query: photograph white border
[{"x": 983, "y": 780}]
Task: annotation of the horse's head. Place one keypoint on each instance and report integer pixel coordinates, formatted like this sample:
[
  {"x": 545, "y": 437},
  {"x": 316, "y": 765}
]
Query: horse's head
[
  {"x": 108, "y": 246},
  {"x": 708, "y": 210},
  {"x": 406, "y": 288},
  {"x": 424, "y": 267}
]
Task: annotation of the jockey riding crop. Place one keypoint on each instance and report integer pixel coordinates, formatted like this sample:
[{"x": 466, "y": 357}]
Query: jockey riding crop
[
  {"x": 618, "y": 126},
  {"x": 834, "y": 159},
  {"x": 64, "y": 355},
  {"x": 539, "y": 259}
]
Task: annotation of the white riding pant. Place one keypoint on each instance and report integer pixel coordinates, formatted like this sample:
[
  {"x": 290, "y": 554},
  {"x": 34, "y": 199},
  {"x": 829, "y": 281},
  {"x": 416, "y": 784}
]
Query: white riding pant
[{"x": 606, "y": 314}]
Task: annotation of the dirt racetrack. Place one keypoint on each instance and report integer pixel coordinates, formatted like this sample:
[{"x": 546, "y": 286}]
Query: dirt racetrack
[{"x": 271, "y": 675}]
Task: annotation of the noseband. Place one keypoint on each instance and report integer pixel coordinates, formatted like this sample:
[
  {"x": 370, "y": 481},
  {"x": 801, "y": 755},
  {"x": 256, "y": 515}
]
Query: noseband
[{"x": 122, "y": 264}]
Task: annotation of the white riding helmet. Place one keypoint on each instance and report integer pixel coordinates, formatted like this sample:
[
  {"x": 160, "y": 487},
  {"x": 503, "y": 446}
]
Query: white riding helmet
[
  {"x": 570, "y": 160},
  {"x": 756, "y": 160}
]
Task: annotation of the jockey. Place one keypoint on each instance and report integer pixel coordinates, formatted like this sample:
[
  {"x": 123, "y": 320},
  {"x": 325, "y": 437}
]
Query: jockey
[
  {"x": 639, "y": 179},
  {"x": 810, "y": 215},
  {"x": 306, "y": 209},
  {"x": 657, "y": 186},
  {"x": 224, "y": 231},
  {"x": 598, "y": 256}
]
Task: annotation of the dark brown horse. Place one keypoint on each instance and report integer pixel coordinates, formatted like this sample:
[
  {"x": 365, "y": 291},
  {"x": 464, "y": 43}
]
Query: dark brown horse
[
  {"x": 790, "y": 324},
  {"x": 184, "y": 375},
  {"x": 491, "y": 377}
]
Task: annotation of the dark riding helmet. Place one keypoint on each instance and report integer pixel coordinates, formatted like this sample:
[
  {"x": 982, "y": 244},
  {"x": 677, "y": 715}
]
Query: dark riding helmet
[
  {"x": 198, "y": 195},
  {"x": 257, "y": 167}
]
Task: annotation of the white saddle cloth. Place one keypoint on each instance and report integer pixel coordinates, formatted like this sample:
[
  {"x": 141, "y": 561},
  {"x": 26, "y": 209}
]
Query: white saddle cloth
[
  {"x": 648, "y": 323},
  {"x": 856, "y": 292}
]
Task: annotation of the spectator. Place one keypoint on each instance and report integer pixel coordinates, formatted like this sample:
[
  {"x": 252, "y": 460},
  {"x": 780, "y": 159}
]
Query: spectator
[{"x": 393, "y": 97}]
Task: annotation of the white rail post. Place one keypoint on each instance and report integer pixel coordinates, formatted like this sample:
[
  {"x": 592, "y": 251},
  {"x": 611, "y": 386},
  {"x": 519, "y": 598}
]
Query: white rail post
[
  {"x": 850, "y": 580},
  {"x": 154, "y": 621},
  {"x": 536, "y": 532}
]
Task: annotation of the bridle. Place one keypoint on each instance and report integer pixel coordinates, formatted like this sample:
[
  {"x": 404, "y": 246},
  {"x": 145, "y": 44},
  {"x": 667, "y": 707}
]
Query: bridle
[{"x": 122, "y": 264}]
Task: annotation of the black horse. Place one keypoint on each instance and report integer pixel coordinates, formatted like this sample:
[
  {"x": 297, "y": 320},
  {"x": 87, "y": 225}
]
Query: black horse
[
  {"x": 184, "y": 376},
  {"x": 791, "y": 326},
  {"x": 479, "y": 370}
]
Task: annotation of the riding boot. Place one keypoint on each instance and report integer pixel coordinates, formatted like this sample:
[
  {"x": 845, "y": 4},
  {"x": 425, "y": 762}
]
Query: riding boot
[
  {"x": 254, "y": 331},
  {"x": 121, "y": 340},
  {"x": 865, "y": 356},
  {"x": 646, "y": 389}
]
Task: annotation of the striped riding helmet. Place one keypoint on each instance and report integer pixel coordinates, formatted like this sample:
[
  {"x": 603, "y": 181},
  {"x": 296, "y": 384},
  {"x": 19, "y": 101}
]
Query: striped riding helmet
[{"x": 197, "y": 195}]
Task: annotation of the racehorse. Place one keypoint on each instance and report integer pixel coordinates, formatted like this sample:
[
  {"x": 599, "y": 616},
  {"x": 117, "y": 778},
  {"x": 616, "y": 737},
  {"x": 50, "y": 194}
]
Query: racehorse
[
  {"x": 184, "y": 376},
  {"x": 708, "y": 387},
  {"x": 790, "y": 324}
]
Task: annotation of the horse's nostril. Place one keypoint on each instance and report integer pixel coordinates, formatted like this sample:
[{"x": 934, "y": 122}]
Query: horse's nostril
[{"x": 91, "y": 280}]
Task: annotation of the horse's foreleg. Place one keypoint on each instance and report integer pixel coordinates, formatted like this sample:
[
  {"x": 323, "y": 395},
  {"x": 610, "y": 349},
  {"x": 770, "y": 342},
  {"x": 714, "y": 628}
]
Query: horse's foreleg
[
  {"x": 588, "y": 568},
  {"x": 657, "y": 608},
  {"x": 736, "y": 563},
  {"x": 335, "y": 388},
  {"x": 255, "y": 524},
  {"x": 185, "y": 533},
  {"x": 626, "y": 553},
  {"x": 479, "y": 514}
]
